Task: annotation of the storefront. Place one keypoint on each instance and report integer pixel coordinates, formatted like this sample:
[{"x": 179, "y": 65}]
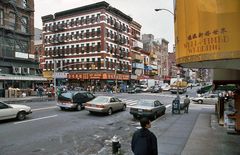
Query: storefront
[
  {"x": 97, "y": 79},
  {"x": 21, "y": 82},
  {"x": 208, "y": 37}
]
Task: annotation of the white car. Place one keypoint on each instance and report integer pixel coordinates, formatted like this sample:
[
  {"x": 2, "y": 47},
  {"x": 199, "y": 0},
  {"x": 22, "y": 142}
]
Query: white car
[
  {"x": 13, "y": 111},
  {"x": 165, "y": 87},
  {"x": 206, "y": 99}
]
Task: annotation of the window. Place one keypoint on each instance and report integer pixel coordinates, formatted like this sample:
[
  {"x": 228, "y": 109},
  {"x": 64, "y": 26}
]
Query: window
[
  {"x": 87, "y": 48},
  {"x": 93, "y": 33},
  {"x": 24, "y": 3},
  {"x": 3, "y": 106},
  {"x": 81, "y": 35},
  {"x": 98, "y": 32},
  {"x": 1, "y": 17},
  {"x": 24, "y": 24},
  {"x": 87, "y": 33},
  {"x": 82, "y": 48},
  {"x": 12, "y": 20}
]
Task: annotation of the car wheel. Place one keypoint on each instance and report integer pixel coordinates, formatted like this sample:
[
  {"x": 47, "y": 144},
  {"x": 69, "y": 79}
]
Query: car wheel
[
  {"x": 200, "y": 101},
  {"x": 124, "y": 108},
  {"x": 109, "y": 111},
  {"x": 21, "y": 116},
  {"x": 79, "y": 107}
]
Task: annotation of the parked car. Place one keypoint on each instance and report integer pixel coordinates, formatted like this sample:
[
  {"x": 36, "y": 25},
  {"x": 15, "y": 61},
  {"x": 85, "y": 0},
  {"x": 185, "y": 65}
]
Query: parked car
[
  {"x": 8, "y": 111},
  {"x": 145, "y": 89},
  {"x": 74, "y": 99},
  {"x": 148, "y": 108},
  {"x": 165, "y": 87},
  {"x": 156, "y": 89},
  {"x": 105, "y": 104},
  {"x": 134, "y": 90},
  {"x": 206, "y": 99}
]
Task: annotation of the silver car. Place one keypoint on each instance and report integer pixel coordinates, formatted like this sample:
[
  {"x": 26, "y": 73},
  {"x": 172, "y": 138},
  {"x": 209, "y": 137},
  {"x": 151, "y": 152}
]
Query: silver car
[
  {"x": 148, "y": 108},
  {"x": 13, "y": 111},
  {"x": 206, "y": 99},
  {"x": 105, "y": 104}
]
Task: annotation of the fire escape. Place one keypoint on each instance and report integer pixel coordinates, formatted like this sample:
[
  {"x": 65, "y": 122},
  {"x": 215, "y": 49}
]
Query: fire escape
[{"x": 11, "y": 33}]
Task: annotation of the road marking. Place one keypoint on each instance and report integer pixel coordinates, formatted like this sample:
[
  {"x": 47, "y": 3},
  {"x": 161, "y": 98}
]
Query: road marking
[
  {"x": 52, "y": 107},
  {"x": 36, "y": 119},
  {"x": 169, "y": 105}
]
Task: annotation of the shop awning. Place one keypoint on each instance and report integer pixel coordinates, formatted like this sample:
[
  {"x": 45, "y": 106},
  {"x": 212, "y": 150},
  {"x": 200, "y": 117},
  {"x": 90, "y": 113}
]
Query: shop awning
[{"x": 22, "y": 77}]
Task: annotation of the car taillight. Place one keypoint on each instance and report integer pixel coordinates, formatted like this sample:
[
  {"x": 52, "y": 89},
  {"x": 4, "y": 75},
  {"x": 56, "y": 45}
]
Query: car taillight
[
  {"x": 100, "y": 106},
  {"x": 87, "y": 104}
]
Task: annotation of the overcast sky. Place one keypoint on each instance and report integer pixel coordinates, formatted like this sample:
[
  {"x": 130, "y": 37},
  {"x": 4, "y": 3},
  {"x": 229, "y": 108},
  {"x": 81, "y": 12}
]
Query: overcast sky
[{"x": 160, "y": 24}]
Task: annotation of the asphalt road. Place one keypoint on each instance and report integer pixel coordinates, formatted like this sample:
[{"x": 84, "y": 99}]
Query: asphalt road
[{"x": 51, "y": 131}]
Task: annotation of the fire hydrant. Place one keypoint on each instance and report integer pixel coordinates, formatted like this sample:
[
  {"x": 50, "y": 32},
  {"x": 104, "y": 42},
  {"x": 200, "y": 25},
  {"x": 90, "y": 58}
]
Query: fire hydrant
[{"x": 115, "y": 145}]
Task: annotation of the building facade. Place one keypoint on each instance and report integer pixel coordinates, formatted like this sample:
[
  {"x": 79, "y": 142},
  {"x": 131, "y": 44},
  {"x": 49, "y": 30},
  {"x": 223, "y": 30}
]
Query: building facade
[
  {"x": 17, "y": 62},
  {"x": 158, "y": 57},
  {"x": 92, "y": 44}
]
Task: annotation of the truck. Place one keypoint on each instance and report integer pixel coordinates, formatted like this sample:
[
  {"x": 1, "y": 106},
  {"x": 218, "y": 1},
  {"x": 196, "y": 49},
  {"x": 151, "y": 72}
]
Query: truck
[{"x": 178, "y": 85}]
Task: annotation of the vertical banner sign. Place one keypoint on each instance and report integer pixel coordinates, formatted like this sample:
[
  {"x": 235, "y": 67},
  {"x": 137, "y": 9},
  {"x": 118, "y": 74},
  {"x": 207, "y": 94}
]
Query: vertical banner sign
[{"x": 207, "y": 30}]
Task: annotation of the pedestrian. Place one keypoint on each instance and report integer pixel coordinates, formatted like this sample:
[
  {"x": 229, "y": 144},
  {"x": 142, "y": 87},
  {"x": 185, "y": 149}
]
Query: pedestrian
[
  {"x": 40, "y": 91},
  {"x": 186, "y": 103},
  {"x": 144, "y": 142}
]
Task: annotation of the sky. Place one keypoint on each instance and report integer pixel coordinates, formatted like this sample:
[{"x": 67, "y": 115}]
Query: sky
[{"x": 160, "y": 24}]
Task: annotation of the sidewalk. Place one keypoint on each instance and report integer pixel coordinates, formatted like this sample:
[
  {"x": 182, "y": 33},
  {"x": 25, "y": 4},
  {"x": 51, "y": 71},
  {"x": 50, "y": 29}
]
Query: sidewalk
[
  {"x": 194, "y": 133},
  {"x": 27, "y": 99}
]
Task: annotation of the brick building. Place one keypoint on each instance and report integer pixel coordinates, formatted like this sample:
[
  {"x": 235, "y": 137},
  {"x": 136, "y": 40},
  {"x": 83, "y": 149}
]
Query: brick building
[
  {"x": 17, "y": 62},
  {"x": 92, "y": 44}
]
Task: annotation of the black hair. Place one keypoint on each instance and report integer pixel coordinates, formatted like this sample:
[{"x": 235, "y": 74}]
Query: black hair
[
  {"x": 144, "y": 121},
  {"x": 186, "y": 95}
]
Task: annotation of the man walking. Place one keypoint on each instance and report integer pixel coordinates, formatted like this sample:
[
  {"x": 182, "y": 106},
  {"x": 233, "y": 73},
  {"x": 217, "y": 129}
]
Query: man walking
[
  {"x": 186, "y": 103},
  {"x": 144, "y": 142}
]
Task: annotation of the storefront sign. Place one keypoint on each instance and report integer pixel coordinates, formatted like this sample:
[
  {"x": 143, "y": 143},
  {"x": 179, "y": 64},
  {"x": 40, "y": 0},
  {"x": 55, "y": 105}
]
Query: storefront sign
[
  {"x": 62, "y": 75},
  {"x": 22, "y": 78},
  {"x": 207, "y": 30},
  {"x": 98, "y": 76}
]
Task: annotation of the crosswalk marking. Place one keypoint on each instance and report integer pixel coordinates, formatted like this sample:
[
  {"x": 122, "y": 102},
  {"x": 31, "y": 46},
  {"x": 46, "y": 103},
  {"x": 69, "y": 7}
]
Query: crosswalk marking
[{"x": 130, "y": 102}]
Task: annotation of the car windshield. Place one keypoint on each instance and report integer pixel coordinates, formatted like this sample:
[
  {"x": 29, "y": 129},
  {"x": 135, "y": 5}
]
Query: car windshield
[
  {"x": 100, "y": 99},
  {"x": 146, "y": 103},
  {"x": 67, "y": 95}
]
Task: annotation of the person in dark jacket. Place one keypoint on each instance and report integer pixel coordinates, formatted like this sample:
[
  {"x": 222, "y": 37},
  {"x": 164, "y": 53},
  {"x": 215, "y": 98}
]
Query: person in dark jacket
[{"x": 144, "y": 142}]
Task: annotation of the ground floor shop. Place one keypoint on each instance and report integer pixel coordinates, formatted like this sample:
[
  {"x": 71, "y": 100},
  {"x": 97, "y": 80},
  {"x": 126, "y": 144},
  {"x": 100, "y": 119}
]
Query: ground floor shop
[
  {"x": 99, "y": 81},
  {"x": 17, "y": 85}
]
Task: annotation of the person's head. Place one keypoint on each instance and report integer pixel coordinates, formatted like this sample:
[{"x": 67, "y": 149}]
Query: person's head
[
  {"x": 186, "y": 96},
  {"x": 145, "y": 122}
]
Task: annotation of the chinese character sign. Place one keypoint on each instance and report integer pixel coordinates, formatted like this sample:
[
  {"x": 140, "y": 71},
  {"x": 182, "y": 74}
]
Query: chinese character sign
[{"x": 207, "y": 30}]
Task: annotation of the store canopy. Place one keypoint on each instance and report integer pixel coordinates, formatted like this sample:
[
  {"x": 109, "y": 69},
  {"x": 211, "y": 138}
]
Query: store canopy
[{"x": 22, "y": 77}]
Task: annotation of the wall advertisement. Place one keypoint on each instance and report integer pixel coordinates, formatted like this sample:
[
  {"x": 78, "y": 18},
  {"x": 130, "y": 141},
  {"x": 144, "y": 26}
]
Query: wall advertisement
[{"x": 207, "y": 30}]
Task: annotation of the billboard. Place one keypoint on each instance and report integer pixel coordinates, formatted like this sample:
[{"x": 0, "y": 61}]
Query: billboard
[{"x": 207, "y": 30}]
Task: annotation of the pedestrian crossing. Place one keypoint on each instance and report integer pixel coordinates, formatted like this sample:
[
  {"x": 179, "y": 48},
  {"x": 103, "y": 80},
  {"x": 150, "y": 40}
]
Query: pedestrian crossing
[{"x": 131, "y": 102}]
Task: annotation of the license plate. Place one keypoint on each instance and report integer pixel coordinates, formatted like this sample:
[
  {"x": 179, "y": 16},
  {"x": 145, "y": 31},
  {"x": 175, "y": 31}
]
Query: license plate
[{"x": 140, "y": 110}]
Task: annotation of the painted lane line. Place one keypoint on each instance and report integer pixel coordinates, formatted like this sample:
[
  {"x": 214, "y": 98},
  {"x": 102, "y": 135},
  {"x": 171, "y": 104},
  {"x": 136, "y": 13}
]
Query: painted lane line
[
  {"x": 169, "y": 105},
  {"x": 52, "y": 107},
  {"x": 36, "y": 119}
]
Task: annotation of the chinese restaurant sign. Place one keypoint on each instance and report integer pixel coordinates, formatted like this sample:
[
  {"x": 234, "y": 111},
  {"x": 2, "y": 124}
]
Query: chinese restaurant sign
[{"x": 207, "y": 30}]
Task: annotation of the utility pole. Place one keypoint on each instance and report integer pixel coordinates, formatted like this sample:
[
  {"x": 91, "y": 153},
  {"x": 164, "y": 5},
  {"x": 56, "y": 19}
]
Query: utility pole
[
  {"x": 116, "y": 66},
  {"x": 54, "y": 79}
]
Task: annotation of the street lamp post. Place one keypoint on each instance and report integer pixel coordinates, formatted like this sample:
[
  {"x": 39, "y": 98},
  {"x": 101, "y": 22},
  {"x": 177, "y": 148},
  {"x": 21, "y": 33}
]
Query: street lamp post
[
  {"x": 176, "y": 101},
  {"x": 165, "y": 10},
  {"x": 54, "y": 79}
]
